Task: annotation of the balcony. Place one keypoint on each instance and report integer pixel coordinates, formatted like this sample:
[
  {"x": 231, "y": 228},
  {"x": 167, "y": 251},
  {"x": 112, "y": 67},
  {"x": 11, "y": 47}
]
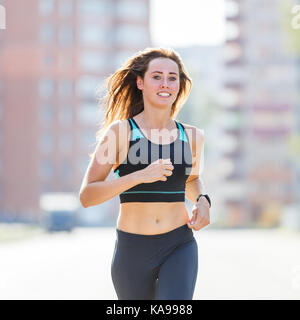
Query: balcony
[
  {"x": 270, "y": 132},
  {"x": 271, "y": 107},
  {"x": 232, "y": 10}
]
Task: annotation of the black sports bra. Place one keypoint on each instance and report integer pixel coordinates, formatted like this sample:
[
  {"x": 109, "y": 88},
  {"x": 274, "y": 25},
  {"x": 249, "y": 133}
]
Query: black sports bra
[{"x": 142, "y": 152}]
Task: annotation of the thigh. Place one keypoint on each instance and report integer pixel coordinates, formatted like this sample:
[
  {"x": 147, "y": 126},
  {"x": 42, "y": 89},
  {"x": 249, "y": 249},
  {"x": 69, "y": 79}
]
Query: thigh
[
  {"x": 177, "y": 275},
  {"x": 132, "y": 277}
]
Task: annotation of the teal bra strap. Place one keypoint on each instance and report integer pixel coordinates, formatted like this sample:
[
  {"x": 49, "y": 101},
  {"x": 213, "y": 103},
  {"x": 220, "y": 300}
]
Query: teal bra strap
[
  {"x": 136, "y": 133},
  {"x": 182, "y": 133}
]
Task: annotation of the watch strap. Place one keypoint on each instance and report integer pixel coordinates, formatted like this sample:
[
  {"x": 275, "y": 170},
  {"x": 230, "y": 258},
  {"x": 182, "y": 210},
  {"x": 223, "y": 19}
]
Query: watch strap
[{"x": 206, "y": 196}]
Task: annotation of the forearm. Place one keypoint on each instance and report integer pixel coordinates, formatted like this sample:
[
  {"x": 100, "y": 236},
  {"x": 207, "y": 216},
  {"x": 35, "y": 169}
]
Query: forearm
[
  {"x": 193, "y": 188},
  {"x": 98, "y": 192}
]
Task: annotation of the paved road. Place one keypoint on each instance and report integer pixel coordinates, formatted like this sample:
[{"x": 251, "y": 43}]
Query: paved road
[{"x": 233, "y": 264}]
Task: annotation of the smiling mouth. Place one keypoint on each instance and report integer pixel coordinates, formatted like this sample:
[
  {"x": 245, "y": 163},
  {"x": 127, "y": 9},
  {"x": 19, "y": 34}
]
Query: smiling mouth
[{"x": 164, "y": 95}]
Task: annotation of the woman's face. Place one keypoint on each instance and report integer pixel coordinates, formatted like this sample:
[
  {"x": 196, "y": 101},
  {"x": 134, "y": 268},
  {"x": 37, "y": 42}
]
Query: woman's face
[{"x": 161, "y": 84}]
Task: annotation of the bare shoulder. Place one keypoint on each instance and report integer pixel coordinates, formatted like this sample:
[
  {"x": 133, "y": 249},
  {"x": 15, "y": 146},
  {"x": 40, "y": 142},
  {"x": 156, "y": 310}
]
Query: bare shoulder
[
  {"x": 119, "y": 126},
  {"x": 118, "y": 132},
  {"x": 121, "y": 129},
  {"x": 195, "y": 136},
  {"x": 194, "y": 129}
]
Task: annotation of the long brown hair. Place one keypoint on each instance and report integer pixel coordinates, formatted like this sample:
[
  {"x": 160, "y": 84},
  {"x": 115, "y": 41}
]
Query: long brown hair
[{"x": 124, "y": 100}]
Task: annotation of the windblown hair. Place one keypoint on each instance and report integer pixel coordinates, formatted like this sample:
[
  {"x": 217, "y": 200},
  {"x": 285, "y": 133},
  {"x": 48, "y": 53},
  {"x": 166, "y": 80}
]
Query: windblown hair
[{"x": 124, "y": 100}]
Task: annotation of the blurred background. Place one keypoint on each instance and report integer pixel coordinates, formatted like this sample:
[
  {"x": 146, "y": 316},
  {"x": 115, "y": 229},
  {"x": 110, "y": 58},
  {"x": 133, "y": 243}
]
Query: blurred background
[{"x": 244, "y": 60}]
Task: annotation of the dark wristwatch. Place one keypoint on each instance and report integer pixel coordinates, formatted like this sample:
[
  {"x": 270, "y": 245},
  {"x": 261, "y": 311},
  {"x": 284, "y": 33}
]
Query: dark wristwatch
[{"x": 206, "y": 196}]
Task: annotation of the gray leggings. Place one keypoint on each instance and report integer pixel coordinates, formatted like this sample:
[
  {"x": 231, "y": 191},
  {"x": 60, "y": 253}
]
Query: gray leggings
[{"x": 155, "y": 267}]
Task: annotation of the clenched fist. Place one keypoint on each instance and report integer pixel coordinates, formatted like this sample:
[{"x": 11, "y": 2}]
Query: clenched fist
[{"x": 157, "y": 170}]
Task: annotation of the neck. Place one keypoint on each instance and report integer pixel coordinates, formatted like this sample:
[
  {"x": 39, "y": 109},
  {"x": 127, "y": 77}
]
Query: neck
[{"x": 156, "y": 120}]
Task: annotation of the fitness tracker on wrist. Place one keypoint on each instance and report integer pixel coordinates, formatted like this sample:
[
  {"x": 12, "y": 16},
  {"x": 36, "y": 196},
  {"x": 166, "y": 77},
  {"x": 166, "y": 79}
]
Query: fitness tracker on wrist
[{"x": 206, "y": 196}]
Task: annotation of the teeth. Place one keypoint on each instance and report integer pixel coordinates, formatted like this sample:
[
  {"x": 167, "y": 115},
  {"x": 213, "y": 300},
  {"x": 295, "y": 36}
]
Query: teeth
[{"x": 164, "y": 94}]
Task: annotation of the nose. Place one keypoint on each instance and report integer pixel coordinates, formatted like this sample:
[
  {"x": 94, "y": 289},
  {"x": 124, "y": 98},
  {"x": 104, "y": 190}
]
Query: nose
[{"x": 164, "y": 83}]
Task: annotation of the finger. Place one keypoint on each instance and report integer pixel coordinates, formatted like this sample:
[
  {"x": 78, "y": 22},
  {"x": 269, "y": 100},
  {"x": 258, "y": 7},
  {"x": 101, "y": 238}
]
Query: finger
[
  {"x": 190, "y": 225},
  {"x": 192, "y": 221},
  {"x": 168, "y": 172},
  {"x": 166, "y": 161},
  {"x": 194, "y": 216},
  {"x": 168, "y": 166}
]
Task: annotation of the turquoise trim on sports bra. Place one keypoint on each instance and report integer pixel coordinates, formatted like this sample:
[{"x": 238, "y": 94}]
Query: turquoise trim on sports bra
[
  {"x": 136, "y": 133},
  {"x": 182, "y": 133}
]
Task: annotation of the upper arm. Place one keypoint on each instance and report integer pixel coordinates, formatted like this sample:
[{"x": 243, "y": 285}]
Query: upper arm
[
  {"x": 106, "y": 153},
  {"x": 196, "y": 138}
]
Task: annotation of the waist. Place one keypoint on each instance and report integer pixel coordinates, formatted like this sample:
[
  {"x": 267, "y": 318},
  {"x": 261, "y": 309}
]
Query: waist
[{"x": 151, "y": 218}]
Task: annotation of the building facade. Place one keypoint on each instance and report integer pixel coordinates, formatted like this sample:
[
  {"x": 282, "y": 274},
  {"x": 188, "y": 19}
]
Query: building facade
[
  {"x": 261, "y": 105},
  {"x": 54, "y": 56}
]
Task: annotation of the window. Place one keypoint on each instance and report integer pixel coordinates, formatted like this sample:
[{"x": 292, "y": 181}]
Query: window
[
  {"x": 46, "y": 142},
  {"x": 231, "y": 8},
  {"x": 66, "y": 170},
  {"x": 65, "y": 143},
  {"x": 1, "y": 108},
  {"x": 46, "y": 7},
  {"x": 86, "y": 87},
  {"x": 47, "y": 114},
  {"x": 65, "y": 88},
  {"x": 83, "y": 164},
  {"x": 65, "y": 8},
  {"x": 46, "y": 87},
  {"x": 65, "y": 115},
  {"x": 131, "y": 35},
  {"x": 132, "y": 10},
  {"x": 46, "y": 169},
  {"x": 92, "y": 61},
  {"x": 46, "y": 187},
  {"x": 93, "y": 35},
  {"x": 65, "y": 36},
  {"x": 232, "y": 30},
  {"x": 121, "y": 57},
  {"x": 94, "y": 7},
  {"x": 87, "y": 138},
  {"x": 88, "y": 113},
  {"x": 47, "y": 33}
]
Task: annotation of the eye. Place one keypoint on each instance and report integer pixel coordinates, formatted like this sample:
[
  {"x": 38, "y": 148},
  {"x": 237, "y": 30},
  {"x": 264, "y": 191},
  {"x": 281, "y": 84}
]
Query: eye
[
  {"x": 156, "y": 77},
  {"x": 173, "y": 78}
]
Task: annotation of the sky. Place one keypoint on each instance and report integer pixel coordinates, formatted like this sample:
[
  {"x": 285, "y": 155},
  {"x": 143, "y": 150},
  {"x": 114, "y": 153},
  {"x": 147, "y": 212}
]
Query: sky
[{"x": 187, "y": 22}]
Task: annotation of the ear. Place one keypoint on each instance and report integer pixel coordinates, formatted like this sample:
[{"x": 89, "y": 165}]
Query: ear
[{"x": 139, "y": 83}]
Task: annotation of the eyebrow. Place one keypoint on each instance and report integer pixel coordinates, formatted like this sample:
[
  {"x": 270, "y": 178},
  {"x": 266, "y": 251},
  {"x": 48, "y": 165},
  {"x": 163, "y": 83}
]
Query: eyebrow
[{"x": 162, "y": 72}]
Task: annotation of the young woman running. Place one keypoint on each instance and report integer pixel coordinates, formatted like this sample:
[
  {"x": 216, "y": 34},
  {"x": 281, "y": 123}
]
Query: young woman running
[{"x": 156, "y": 160}]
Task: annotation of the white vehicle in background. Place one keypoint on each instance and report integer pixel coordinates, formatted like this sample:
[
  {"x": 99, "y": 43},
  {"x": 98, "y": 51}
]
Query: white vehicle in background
[{"x": 59, "y": 211}]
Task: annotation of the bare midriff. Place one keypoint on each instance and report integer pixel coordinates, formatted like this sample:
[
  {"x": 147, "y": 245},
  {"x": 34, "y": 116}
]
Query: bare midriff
[{"x": 151, "y": 217}]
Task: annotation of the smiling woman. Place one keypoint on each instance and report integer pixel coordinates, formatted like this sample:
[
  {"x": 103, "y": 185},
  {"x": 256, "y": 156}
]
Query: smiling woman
[{"x": 156, "y": 161}]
